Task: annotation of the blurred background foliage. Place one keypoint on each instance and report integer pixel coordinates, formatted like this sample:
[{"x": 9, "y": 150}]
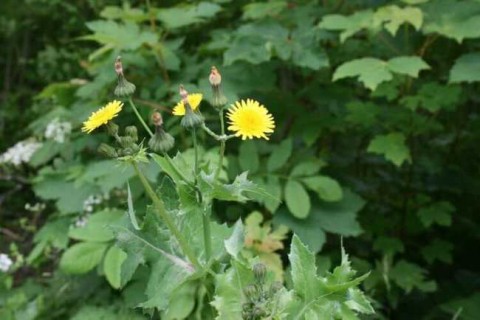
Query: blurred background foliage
[{"x": 376, "y": 107}]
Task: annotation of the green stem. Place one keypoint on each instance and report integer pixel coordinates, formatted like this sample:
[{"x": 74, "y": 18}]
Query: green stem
[
  {"x": 162, "y": 212},
  {"x": 207, "y": 238},
  {"x": 140, "y": 117},
  {"x": 222, "y": 145},
  {"x": 207, "y": 235}
]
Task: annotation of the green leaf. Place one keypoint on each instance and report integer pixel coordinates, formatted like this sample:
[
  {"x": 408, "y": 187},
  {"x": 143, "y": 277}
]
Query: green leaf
[
  {"x": 304, "y": 270},
  {"x": 97, "y": 228},
  {"x": 467, "y": 307},
  {"x": 452, "y": 19},
  {"x": 112, "y": 266},
  {"x": 185, "y": 15},
  {"x": 82, "y": 257},
  {"x": 131, "y": 210},
  {"x": 409, "y": 276},
  {"x": 392, "y": 146},
  {"x": 371, "y": 71},
  {"x": 182, "y": 301},
  {"x": 248, "y": 157},
  {"x": 236, "y": 242},
  {"x": 349, "y": 25},
  {"x": 307, "y": 168},
  {"x": 438, "y": 250},
  {"x": 327, "y": 188},
  {"x": 297, "y": 199},
  {"x": 466, "y": 69},
  {"x": 437, "y": 213},
  {"x": 434, "y": 97},
  {"x": 273, "y": 187},
  {"x": 388, "y": 246},
  {"x": 262, "y": 10},
  {"x": 392, "y": 17},
  {"x": 280, "y": 155}
]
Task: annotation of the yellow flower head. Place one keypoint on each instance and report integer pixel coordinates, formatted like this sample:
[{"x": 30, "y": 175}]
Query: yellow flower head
[
  {"x": 194, "y": 100},
  {"x": 102, "y": 116},
  {"x": 249, "y": 119}
]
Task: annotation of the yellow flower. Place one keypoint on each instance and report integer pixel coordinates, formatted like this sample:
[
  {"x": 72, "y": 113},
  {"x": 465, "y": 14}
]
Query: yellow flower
[
  {"x": 102, "y": 116},
  {"x": 249, "y": 119},
  {"x": 194, "y": 100}
]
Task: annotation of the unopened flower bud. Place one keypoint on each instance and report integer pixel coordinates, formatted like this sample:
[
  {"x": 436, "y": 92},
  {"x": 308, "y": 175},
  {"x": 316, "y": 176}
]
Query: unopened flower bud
[
  {"x": 157, "y": 119},
  {"x": 183, "y": 93},
  {"x": 124, "y": 88},
  {"x": 259, "y": 271},
  {"x": 251, "y": 292},
  {"x": 191, "y": 119},
  {"x": 219, "y": 99},
  {"x": 132, "y": 132},
  {"x": 275, "y": 287},
  {"x": 215, "y": 77},
  {"x": 107, "y": 150},
  {"x": 161, "y": 141},
  {"x": 126, "y": 141},
  {"x": 112, "y": 128}
]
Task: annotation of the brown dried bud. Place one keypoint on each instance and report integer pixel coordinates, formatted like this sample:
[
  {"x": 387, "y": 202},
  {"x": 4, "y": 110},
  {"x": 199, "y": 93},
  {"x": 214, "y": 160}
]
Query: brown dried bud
[
  {"x": 215, "y": 77},
  {"x": 157, "y": 119},
  {"x": 119, "y": 66},
  {"x": 183, "y": 93}
]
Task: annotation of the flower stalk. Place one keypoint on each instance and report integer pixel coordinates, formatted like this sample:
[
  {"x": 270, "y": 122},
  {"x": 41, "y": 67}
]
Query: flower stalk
[
  {"x": 162, "y": 212},
  {"x": 147, "y": 128}
]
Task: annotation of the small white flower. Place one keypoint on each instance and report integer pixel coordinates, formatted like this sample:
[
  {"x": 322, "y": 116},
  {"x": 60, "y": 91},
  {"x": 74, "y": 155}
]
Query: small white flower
[
  {"x": 57, "y": 130},
  {"x": 81, "y": 222},
  {"x": 5, "y": 262},
  {"x": 20, "y": 152}
]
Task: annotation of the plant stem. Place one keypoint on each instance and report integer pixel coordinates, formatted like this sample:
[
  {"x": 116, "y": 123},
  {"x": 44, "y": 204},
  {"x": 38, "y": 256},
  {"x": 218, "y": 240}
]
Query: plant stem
[
  {"x": 160, "y": 208},
  {"x": 140, "y": 117},
  {"x": 207, "y": 238},
  {"x": 222, "y": 145}
]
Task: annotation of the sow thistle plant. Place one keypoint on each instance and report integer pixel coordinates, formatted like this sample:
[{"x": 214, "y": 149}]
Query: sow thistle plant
[{"x": 186, "y": 264}]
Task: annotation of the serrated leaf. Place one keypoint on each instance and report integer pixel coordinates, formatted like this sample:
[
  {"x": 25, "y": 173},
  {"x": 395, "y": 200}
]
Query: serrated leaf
[
  {"x": 184, "y": 15},
  {"x": 235, "y": 243},
  {"x": 97, "y": 228},
  {"x": 409, "y": 276},
  {"x": 304, "y": 270},
  {"x": 440, "y": 250},
  {"x": 82, "y": 257},
  {"x": 349, "y": 25},
  {"x": 437, "y": 213},
  {"x": 392, "y": 146},
  {"x": 452, "y": 19},
  {"x": 112, "y": 266},
  {"x": 261, "y": 10},
  {"x": 392, "y": 17},
  {"x": 466, "y": 69},
  {"x": 297, "y": 199},
  {"x": 371, "y": 71}
]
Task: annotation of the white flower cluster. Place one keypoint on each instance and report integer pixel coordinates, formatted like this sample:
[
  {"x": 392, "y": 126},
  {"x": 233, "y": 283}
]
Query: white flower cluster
[
  {"x": 37, "y": 207},
  {"x": 91, "y": 201},
  {"x": 20, "y": 152},
  {"x": 58, "y": 131},
  {"x": 81, "y": 221},
  {"x": 5, "y": 262}
]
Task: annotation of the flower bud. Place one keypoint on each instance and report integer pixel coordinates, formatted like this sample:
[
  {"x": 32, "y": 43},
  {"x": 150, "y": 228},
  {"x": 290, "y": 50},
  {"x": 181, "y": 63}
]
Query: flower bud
[
  {"x": 107, "y": 150},
  {"x": 161, "y": 141},
  {"x": 215, "y": 77},
  {"x": 183, "y": 93},
  {"x": 132, "y": 132},
  {"x": 124, "y": 88},
  {"x": 126, "y": 141},
  {"x": 112, "y": 128},
  {"x": 275, "y": 287},
  {"x": 219, "y": 100},
  {"x": 157, "y": 119},
  {"x": 259, "y": 271},
  {"x": 251, "y": 292},
  {"x": 191, "y": 119}
]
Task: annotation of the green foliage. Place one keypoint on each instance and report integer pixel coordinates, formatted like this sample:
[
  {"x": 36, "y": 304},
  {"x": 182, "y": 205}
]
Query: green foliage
[{"x": 91, "y": 243}]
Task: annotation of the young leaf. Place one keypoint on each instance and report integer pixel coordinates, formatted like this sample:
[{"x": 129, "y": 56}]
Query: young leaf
[
  {"x": 297, "y": 199},
  {"x": 112, "y": 266},
  {"x": 82, "y": 257},
  {"x": 392, "y": 146}
]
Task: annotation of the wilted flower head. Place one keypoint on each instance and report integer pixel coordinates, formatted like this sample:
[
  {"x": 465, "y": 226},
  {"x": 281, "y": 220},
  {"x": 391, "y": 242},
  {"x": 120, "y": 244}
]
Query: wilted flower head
[{"x": 124, "y": 88}]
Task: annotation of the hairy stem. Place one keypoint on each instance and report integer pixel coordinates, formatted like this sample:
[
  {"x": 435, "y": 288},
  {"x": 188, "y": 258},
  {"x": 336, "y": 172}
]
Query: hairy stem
[{"x": 162, "y": 212}]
